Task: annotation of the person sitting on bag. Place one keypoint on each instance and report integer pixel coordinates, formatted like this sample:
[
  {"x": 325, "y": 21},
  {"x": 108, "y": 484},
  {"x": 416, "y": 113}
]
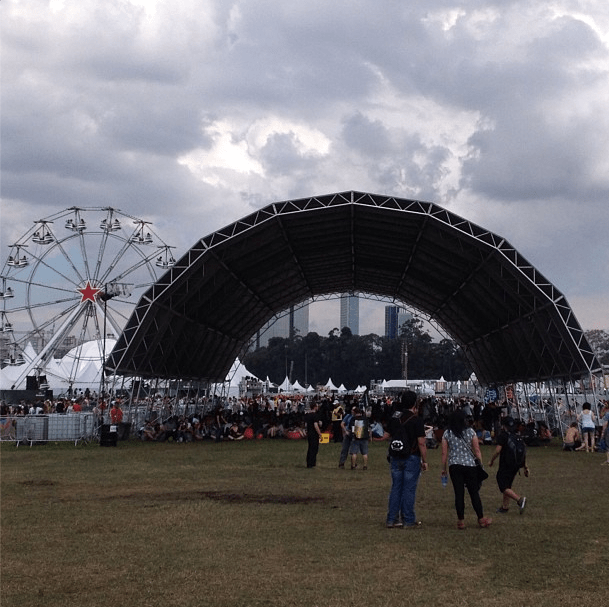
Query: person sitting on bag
[{"x": 460, "y": 449}]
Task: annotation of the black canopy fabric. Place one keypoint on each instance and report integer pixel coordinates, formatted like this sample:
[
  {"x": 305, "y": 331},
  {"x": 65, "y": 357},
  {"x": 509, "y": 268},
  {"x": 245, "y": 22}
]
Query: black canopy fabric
[{"x": 513, "y": 324}]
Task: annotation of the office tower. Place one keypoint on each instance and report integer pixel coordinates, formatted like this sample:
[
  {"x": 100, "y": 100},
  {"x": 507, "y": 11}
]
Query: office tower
[
  {"x": 349, "y": 313},
  {"x": 395, "y": 317},
  {"x": 289, "y": 323}
]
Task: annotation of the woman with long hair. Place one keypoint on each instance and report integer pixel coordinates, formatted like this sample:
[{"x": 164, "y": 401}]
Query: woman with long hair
[{"x": 460, "y": 449}]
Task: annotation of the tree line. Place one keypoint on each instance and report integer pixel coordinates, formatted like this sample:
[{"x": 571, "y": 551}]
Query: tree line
[{"x": 357, "y": 359}]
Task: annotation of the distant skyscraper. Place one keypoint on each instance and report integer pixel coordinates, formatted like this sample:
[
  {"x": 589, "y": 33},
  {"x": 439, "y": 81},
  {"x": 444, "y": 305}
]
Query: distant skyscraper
[
  {"x": 293, "y": 322},
  {"x": 395, "y": 317},
  {"x": 349, "y": 313}
]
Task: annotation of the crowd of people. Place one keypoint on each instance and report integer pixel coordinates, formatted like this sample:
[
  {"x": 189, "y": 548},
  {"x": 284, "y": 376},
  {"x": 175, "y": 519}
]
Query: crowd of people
[
  {"x": 283, "y": 416},
  {"x": 410, "y": 424}
]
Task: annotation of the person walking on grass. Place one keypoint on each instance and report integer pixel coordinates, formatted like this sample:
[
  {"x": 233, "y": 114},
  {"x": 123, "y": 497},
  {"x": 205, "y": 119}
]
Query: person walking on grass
[
  {"x": 313, "y": 435},
  {"x": 605, "y": 430},
  {"x": 588, "y": 424},
  {"x": 345, "y": 426},
  {"x": 360, "y": 434},
  {"x": 408, "y": 458},
  {"x": 511, "y": 452},
  {"x": 337, "y": 417},
  {"x": 460, "y": 449}
]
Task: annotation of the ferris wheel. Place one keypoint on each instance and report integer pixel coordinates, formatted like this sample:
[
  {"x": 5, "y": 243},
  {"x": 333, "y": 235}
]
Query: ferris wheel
[{"x": 67, "y": 289}]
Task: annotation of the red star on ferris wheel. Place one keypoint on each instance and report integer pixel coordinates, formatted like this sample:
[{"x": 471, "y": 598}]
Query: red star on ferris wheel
[{"x": 88, "y": 292}]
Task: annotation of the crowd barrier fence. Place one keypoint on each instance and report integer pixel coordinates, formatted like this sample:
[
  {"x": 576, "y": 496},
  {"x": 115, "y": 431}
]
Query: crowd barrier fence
[{"x": 31, "y": 429}]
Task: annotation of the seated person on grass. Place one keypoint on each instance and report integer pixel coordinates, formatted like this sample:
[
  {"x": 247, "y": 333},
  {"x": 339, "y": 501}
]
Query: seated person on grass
[
  {"x": 572, "y": 438},
  {"x": 234, "y": 433}
]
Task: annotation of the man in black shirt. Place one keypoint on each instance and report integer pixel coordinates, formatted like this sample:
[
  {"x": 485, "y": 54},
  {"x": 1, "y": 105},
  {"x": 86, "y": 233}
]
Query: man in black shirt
[
  {"x": 313, "y": 434},
  {"x": 509, "y": 466},
  {"x": 408, "y": 458}
]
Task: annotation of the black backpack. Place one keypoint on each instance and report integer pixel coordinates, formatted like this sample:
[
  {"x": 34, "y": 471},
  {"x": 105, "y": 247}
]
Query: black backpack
[
  {"x": 516, "y": 449},
  {"x": 400, "y": 444}
]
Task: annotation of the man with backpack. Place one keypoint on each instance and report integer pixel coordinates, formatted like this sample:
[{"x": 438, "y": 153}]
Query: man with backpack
[
  {"x": 511, "y": 451},
  {"x": 408, "y": 458},
  {"x": 360, "y": 434}
]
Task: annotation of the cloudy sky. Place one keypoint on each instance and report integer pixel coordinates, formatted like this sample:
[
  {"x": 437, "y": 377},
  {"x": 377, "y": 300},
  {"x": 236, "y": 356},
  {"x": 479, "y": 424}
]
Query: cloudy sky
[{"x": 191, "y": 114}]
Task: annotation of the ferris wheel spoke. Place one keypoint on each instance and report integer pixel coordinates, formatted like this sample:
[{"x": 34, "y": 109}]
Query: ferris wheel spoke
[
  {"x": 110, "y": 317},
  {"x": 39, "y": 284},
  {"x": 85, "y": 324},
  {"x": 46, "y": 304},
  {"x": 100, "y": 255},
  {"x": 108, "y": 224},
  {"x": 96, "y": 322},
  {"x": 81, "y": 340},
  {"x": 50, "y": 322},
  {"x": 85, "y": 254},
  {"x": 118, "y": 256},
  {"x": 117, "y": 312},
  {"x": 112, "y": 265},
  {"x": 41, "y": 261},
  {"x": 144, "y": 261}
]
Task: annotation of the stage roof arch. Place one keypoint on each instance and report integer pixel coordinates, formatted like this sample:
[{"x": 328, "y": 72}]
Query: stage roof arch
[{"x": 512, "y": 323}]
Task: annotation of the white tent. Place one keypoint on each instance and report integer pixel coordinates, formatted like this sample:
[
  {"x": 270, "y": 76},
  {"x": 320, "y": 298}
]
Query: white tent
[
  {"x": 268, "y": 384},
  {"x": 8, "y": 376},
  {"x": 310, "y": 388},
  {"x": 297, "y": 387},
  {"x": 89, "y": 375},
  {"x": 360, "y": 389},
  {"x": 231, "y": 384},
  {"x": 342, "y": 389},
  {"x": 330, "y": 386},
  {"x": 285, "y": 386},
  {"x": 79, "y": 368}
]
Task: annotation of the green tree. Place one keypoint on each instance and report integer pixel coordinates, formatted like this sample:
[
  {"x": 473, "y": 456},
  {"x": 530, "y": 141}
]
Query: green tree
[
  {"x": 418, "y": 344},
  {"x": 357, "y": 359}
]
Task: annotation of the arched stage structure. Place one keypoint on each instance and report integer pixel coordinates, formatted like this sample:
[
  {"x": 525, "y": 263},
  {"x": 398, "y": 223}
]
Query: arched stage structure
[{"x": 512, "y": 323}]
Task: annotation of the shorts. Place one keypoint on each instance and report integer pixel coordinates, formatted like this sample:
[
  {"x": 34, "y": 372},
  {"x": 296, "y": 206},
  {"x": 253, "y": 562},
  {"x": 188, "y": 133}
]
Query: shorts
[
  {"x": 359, "y": 445},
  {"x": 588, "y": 430},
  {"x": 505, "y": 478}
]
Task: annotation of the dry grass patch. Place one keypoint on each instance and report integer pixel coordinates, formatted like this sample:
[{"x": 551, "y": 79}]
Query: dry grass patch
[{"x": 246, "y": 524}]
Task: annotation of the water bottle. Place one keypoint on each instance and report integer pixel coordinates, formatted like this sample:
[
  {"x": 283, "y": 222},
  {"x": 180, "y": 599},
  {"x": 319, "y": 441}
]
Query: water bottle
[{"x": 444, "y": 478}]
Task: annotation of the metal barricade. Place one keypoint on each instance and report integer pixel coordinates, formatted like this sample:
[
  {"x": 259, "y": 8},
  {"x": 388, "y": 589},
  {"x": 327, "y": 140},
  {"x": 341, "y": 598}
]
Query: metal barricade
[{"x": 55, "y": 427}]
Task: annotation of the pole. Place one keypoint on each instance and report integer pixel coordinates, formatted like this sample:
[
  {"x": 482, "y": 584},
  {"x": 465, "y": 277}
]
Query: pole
[{"x": 102, "y": 382}]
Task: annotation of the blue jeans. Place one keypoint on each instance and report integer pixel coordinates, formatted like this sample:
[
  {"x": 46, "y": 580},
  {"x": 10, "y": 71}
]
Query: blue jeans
[
  {"x": 404, "y": 478},
  {"x": 344, "y": 452}
]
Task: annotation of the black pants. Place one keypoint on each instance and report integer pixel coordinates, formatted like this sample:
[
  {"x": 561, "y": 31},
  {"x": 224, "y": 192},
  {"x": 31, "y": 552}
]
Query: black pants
[
  {"x": 337, "y": 432},
  {"x": 462, "y": 477},
  {"x": 312, "y": 450}
]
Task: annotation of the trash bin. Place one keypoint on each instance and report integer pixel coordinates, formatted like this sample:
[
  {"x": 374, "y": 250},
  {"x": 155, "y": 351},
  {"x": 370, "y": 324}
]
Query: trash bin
[{"x": 108, "y": 436}]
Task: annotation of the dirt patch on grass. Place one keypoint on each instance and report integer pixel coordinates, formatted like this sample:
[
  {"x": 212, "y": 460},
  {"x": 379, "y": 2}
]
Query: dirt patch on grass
[
  {"x": 218, "y": 496},
  {"x": 259, "y": 499}
]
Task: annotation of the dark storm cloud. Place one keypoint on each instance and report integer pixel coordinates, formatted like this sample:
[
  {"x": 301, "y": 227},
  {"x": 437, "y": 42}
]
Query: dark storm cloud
[{"x": 194, "y": 113}]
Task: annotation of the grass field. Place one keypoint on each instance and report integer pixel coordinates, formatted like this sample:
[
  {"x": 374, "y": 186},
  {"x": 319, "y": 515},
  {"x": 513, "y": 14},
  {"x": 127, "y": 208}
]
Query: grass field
[{"x": 246, "y": 524}]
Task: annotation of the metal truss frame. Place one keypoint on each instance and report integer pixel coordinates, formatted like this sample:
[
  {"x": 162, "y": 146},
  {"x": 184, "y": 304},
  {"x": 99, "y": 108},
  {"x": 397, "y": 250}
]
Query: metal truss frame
[{"x": 513, "y": 324}]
